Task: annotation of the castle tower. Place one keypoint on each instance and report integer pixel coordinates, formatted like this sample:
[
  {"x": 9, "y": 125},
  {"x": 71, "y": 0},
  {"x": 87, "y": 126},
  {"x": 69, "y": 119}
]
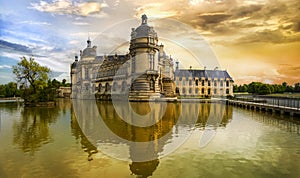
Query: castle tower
[{"x": 144, "y": 62}]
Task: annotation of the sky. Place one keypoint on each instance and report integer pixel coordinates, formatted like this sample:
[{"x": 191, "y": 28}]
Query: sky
[{"x": 254, "y": 40}]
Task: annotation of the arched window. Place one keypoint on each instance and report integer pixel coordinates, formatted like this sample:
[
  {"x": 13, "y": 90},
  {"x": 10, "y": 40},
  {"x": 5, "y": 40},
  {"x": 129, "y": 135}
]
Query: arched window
[
  {"x": 227, "y": 83},
  {"x": 202, "y": 91},
  {"x": 177, "y": 90},
  {"x": 99, "y": 87},
  {"x": 107, "y": 87},
  {"x": 152, "y": 83},
  {"x": 227, "y": 91},
  {"x": 196, "y": 91},
  {"x": 190, "y": 91},
  {"x": 115, "y": 85},
  {"x": 221, "y": 83},
  {"x": 124, "y": 84},
  {"x": 183, "y": 91},
  {"x": 196, "y": 82}
]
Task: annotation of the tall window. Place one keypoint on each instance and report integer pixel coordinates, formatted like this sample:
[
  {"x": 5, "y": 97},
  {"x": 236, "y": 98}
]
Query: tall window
[
  {"x": 133, "y": 65},
  {"x": 202, "y": 91},
  {"x": 86, "y": 75},
  {"x": 202, "y": 82},
  {"x": 196, "y": 82},
  {"x": 215, "y": 91},
  {"x": 208, "y": 91},
  {"x": 124, "y": 84},
  {"x": 215, "y": 83},
  {"x": 227, "y": 83},
  {"x": 151, "y": 59},
  {"x": 227, "y": 91},
  {"x": 196, "y": 91},
  {"x": 221, "y": 83},
  {"x": 190, "y": 82},
  {"x": 209, "y": 83}
]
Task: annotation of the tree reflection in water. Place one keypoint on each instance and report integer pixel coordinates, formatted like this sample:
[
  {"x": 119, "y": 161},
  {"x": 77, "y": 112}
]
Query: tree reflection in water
[
  {"x": 32, "y": 131},
  {"x": 155, "y": 139}
]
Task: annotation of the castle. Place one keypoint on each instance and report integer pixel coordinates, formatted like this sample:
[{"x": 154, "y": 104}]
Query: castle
[{"x": 145, "y": 73}]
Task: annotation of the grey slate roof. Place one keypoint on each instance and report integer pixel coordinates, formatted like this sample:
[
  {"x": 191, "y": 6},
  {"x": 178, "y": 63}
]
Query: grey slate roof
[{"x": 202, "y": 73}]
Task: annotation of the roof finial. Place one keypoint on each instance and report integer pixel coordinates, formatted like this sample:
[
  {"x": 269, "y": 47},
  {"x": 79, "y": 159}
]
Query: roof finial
[
  {"x": 89, "y": 44},
  {"x": 144, "y": 19}
]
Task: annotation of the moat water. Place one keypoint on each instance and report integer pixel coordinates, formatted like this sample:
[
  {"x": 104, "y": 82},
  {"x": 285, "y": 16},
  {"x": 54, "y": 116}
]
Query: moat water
[{"x": 184, "y": 140}]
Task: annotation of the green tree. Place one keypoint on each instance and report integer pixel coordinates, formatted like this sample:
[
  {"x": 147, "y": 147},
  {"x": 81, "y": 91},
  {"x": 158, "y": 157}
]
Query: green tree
[
  {"x": 297, "y": 87},
  {"x": 253, "y": 87},
  {"x": 264, "y": 89},
  {"x": 64, "y": 82},
  {"x": 33, "y": 79},
  {"x": 29, "y": 71},
  {"x": 235, "y": 88},
  {"x": 9, "y": 90}
]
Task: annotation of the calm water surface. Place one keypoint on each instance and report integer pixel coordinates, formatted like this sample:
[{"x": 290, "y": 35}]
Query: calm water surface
[{"x": 66, "y": 142}]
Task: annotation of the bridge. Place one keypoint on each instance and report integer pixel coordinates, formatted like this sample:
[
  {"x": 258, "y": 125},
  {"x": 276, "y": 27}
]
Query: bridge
[{"x": 292, "y": 111}]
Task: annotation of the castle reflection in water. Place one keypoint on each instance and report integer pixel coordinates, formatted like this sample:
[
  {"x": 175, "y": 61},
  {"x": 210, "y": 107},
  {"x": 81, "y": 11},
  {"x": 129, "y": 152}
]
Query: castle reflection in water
[{"x": 144, "y": 145}]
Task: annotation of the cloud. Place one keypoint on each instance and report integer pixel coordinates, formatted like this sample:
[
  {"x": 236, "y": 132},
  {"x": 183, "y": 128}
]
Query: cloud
[
  {"x": 155, "y": 10},
  {"x": 272, "y": 21},
  {"x": 81, "y": 23},
  {"x": 5, "y": 66},
  {"x": 268, "y": 36},
  {"x": 35, "y": 23},
  {"x": 14, "y": 46},
  {"x": 68, "y": 7}
]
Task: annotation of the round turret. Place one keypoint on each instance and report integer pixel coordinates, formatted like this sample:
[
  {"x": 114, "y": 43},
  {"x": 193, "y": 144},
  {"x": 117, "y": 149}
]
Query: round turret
[{"x": 143, "y": 36}]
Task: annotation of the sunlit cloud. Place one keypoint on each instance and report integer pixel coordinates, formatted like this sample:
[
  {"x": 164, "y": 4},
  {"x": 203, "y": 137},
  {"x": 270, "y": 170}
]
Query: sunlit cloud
[{"x": 155, "y": 10}]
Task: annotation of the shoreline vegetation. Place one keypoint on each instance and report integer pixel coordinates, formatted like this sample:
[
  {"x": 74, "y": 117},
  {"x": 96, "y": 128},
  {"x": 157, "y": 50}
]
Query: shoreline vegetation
[{"x": 33, "y": 84}]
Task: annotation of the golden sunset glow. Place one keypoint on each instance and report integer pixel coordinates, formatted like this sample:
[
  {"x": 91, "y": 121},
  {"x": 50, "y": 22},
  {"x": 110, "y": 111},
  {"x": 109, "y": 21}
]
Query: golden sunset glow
[{"x": 255, "y": 40}]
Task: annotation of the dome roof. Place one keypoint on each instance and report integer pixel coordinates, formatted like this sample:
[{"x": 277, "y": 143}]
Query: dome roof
[
  {"x": 89, "y": 52},
  {"x": 143, "y": 30}
]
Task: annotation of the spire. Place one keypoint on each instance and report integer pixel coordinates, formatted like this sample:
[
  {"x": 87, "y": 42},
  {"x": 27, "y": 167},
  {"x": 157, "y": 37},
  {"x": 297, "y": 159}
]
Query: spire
[
  {"x": 144, "y": 19},
  {"x": 89, "y": 43}
]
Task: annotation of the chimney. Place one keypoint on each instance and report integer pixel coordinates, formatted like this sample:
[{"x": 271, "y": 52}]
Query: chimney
[{"x": 177, "y": 65}]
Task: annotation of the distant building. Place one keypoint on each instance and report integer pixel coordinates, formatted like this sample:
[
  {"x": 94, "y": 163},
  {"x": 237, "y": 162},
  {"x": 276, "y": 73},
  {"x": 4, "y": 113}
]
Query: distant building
[
  {"x": 203, "y": 82},
  {"x": 145, "y": 73}
]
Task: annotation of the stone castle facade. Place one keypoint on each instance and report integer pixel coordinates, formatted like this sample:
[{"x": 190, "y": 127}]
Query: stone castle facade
[{"x": 145, "y": 73}]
